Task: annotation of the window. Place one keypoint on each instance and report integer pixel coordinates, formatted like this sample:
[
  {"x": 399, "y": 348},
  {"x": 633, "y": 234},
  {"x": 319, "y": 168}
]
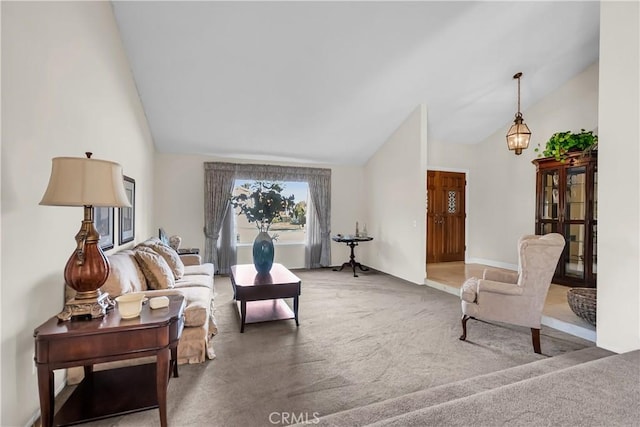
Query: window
[
  {"x": 287, "y": 229},
  {"x": 220, "y": 228}
]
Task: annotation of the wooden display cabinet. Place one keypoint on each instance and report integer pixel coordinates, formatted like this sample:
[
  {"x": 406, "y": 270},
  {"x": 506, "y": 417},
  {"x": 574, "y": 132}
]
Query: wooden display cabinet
[{"x": 566, "y": 203}]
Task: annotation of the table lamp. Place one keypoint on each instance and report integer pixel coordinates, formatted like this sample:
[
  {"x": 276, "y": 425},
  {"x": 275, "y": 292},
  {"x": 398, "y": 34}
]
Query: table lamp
[{"x": 87, "y": 182}]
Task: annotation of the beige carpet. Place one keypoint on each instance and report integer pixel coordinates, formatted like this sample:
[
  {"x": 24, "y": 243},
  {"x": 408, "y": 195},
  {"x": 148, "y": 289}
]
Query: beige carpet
[
  {"x": 603, "y": 392},
  {"x": 360, "y": 340}
]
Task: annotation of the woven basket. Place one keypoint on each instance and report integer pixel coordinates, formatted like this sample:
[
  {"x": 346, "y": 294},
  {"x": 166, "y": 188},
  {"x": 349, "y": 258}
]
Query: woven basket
[{"x": 583, "y": 303}]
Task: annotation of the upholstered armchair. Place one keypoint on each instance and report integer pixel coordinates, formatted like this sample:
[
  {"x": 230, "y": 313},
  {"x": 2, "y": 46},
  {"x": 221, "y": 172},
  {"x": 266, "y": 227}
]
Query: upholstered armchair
[{"x": 516, "y": 298}]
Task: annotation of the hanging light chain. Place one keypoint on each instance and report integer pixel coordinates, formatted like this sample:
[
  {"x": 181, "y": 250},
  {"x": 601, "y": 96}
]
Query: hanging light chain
[{"x": 517, "y": 76}]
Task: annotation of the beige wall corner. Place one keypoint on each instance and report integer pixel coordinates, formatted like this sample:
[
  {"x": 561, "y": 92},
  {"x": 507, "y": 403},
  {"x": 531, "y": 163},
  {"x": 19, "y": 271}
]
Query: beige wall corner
[
  {"x": 618, "y": 315},
  {"x": 66, "y": 89},
  {"x": 395, "y": 189}
]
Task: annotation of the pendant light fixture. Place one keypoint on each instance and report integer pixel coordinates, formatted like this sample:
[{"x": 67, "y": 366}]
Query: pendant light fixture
[{"x": 519, "y": 134}]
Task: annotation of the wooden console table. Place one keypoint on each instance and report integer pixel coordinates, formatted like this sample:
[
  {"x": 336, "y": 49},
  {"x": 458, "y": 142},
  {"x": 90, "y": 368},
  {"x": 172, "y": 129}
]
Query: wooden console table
[
  {"x": 107, "y": 393},
  {"x": 352, "y": 242}
]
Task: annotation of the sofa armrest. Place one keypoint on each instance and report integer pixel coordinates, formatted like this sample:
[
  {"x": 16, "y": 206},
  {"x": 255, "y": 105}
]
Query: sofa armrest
[
  {"x": 191, "y": 259},
  {"x": 501, "y": 276},
  {"x": 499, "y": 287}
]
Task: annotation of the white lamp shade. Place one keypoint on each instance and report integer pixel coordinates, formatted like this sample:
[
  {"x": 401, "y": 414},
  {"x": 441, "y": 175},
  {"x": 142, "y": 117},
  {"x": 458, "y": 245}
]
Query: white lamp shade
[{"x": 77, "y": 181}]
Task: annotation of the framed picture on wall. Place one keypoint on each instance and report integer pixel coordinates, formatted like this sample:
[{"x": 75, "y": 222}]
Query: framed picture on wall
[
  {"x": 103, "y": 221},
  {"x": 127, "y": 217}
]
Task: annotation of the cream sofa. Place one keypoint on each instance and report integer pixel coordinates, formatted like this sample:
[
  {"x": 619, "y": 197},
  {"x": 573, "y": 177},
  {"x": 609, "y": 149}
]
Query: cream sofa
[{"x": 133, "y": 270}]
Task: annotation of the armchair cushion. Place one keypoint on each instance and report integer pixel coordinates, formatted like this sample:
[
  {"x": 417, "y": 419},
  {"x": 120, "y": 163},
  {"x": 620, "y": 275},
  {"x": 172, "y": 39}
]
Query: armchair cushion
[
  {"x": 195, "y": 280},
  {"x": 206, "y": 269},
  {"x": 499, "y": 287},
  {"x": 191, "y": 259},
  {"x": 500, "y": 276}
]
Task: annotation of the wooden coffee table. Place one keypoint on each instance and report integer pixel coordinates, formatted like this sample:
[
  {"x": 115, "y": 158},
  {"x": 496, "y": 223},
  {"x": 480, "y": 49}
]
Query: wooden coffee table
[
  {"x": 110, "y": 392},
  {"x": 260, "y": 297}
]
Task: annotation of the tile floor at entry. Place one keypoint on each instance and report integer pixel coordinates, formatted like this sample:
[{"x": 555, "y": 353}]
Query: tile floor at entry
[{"x": 449, "y": 277}]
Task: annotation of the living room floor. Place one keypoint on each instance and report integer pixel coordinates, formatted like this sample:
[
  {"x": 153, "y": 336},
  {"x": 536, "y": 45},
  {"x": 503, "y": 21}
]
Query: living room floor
[{"x": 449, "y": 276}]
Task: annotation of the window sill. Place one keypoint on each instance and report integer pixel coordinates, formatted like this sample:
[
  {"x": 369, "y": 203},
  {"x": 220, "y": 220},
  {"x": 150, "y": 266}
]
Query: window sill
[{"x": 241, "y": 245}]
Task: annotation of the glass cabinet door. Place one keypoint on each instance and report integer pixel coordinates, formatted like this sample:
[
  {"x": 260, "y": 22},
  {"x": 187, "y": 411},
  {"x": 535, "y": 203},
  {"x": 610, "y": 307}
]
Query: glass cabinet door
[
  {"x": 550, "y": 195},
  {"x": 574, "y": 217},
  {"x": 576, "y": 197},
  {"x": 574, "y": 262}
]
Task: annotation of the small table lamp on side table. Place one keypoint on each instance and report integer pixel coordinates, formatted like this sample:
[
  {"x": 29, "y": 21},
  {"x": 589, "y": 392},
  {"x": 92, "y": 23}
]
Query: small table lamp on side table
[{"x": 86, "y": 182}]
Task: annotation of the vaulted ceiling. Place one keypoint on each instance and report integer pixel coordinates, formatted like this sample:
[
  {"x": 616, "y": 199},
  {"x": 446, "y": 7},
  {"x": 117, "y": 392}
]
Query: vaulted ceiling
[{"x": 328, "y": 82}]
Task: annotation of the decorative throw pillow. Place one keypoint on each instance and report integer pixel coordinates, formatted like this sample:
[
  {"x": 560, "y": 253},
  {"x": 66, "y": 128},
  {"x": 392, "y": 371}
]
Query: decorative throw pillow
[
  {"x": 162, "y": 235},
  {"x": 170, "y": 256},
  {"x": 124, "y": 274},
  {"x": 155, "y": 269},
  {"x": 150, "y": 241},
  {"x": 174, "y": 242}
]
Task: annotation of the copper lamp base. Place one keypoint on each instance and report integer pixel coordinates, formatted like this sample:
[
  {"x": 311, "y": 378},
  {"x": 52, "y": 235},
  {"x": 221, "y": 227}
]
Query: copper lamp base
[
  {"x": 93, "y": 308},
  {"x": 85, "y": 272}
]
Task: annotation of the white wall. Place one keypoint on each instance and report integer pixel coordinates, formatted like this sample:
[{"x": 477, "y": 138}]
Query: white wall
[
  {"x": 500, "y": 185},
  {"x": 618, "y": 314},
  {"x": 66, "y": 89},
  {"x": 179, "y": 204},
  {"x": 395, "y": 188}
]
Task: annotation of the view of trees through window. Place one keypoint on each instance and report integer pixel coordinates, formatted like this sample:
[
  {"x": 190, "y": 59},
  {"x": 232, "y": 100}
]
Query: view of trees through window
[{"x": 288, "y": 228}]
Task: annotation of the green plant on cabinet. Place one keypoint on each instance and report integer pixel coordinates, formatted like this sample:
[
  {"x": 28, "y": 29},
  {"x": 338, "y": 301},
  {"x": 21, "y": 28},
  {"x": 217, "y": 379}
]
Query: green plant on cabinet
[{"x": 562, "y": 143}]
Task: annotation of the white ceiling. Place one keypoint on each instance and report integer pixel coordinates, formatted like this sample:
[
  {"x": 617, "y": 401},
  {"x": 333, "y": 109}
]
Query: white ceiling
[{"x": 328, "y": 82}]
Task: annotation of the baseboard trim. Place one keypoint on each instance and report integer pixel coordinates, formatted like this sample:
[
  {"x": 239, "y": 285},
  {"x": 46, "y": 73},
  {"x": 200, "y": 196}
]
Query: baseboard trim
[
  {"x": 492, "y": 263},
  {"x": 34, "y": 418},
  {"x": 569, "y": 328},
  {"x": 442, "y": 287}
]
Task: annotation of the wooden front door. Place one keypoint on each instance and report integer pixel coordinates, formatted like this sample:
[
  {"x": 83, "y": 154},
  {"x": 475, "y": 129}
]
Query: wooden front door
[{"x": 445, "y": 216}]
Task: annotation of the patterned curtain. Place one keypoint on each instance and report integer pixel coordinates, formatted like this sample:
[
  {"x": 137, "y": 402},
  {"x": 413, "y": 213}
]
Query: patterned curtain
[
  {"x": 218, "y": 185},
  {"x": 320, "y": 242},
  {"x": 227, "y": 254},
  {"x": 319, "y": 180}
]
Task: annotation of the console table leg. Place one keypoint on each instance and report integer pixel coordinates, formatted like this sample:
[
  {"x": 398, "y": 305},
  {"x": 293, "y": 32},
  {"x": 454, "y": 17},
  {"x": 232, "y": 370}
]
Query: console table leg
[
  {"x": 162, "y": 380},
  {"x": 174, "y": 361},
  {"x": 45, "y": 386},
  {"x": 88, "y": 371}
]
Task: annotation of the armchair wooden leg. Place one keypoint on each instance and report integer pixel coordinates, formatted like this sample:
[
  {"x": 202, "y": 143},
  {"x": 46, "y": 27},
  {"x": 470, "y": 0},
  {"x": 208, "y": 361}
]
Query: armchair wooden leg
[
  {"x": 464, "y": 327},
  {"x": 535, "y": 338}
]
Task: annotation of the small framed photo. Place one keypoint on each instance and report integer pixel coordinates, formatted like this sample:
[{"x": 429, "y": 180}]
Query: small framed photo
[
  {"x": 103, "y": 221},
  {"x": 127, "y": 219}
]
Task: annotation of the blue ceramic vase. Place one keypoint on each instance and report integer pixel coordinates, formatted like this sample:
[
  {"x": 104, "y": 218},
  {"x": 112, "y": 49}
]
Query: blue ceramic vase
[{"x": 263, "y": 252}]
